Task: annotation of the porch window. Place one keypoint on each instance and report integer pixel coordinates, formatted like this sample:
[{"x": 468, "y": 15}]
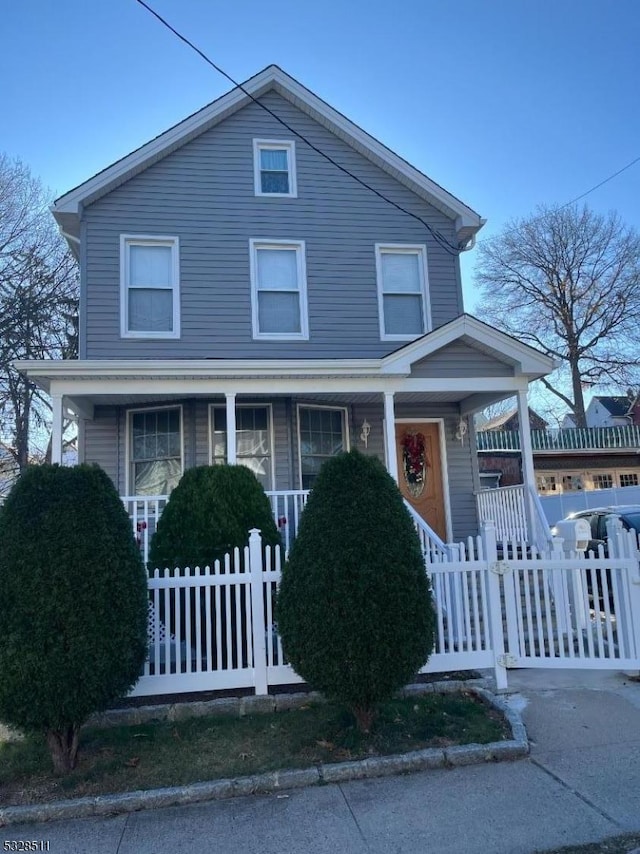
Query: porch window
[
  {"x": 322, "y": 435},
  {"x": 253, "y": 440},
  {"x": 274, "y": 167},
  {"x": 402, "y": 291},
  {"x": 149, "y": 287},
  {"x": 155, "y": 451},
  {"x": 278, "y": 290}
]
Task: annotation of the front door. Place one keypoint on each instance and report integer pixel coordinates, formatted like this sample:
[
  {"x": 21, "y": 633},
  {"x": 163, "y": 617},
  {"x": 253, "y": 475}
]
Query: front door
[{"x": 420, "y": 471}]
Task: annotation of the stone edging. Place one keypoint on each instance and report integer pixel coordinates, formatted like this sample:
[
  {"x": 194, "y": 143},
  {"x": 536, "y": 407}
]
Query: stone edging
[{"x": 274, "y": 781}]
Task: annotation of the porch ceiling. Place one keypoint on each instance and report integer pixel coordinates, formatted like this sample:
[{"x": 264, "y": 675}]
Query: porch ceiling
[{"x": 368, "y": 398}]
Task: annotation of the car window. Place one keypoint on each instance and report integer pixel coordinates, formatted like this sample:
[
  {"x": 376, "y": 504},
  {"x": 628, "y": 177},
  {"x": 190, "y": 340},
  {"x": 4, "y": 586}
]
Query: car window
[{"x": 631, "y": 520}]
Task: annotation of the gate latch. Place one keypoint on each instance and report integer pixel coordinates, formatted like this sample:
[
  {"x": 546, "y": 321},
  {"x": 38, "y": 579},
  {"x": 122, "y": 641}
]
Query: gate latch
[{"x": 507, "y": 660}]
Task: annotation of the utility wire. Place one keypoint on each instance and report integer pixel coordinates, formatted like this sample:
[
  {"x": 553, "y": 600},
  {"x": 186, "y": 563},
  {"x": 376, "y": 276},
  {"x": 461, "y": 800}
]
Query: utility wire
[
  {"x": 597, "y": 186},
  {"x": 440, "y": 238}
]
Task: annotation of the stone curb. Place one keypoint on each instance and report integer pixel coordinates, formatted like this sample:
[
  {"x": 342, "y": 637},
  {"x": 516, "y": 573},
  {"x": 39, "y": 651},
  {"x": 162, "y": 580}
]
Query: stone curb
[{"x": 275, "y": 781}]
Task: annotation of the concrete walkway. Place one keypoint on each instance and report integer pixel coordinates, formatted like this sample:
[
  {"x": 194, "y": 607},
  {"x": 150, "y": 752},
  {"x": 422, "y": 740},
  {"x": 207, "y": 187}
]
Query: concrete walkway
[{"x": 581, "y": 784}]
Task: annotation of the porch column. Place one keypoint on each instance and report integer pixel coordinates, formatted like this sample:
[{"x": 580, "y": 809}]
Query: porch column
[
  {"x": 232, "y": 454},
  {"x": 56, "y": 428},
  {"x": 526, "y": 451},
  {"x": 390, "y": 435}
]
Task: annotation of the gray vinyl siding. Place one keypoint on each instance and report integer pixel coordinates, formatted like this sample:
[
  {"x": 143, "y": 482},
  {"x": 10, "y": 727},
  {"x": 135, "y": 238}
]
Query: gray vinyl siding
[
  {"x": 105, "y": 444},
  {"x": 203, "y": 193},
  {"x": 460, "y": 360}
]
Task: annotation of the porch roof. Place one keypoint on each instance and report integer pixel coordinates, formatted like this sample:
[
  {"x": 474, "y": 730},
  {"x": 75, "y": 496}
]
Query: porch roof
[{"x": 93, "y": 381}]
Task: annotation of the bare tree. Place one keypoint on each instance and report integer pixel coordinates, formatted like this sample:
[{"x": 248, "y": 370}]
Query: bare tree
[
  {"x": 567, "y": 281},
  {"x": 38, "y": 306}
]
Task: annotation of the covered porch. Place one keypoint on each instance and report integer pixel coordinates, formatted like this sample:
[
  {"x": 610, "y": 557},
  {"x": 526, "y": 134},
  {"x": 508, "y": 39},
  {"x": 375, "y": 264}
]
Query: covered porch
[{"x": 146, "y": 421}]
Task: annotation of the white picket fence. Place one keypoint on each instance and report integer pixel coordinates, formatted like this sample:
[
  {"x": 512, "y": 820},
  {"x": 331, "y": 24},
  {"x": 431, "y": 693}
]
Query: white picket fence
[{"x": 213, "y": 628}]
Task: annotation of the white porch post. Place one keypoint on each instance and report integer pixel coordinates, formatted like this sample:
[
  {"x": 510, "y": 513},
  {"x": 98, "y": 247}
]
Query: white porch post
[
  {"x": 390, "y": 435},
  {"x": 526, "y": 450},
  {"x": 232, "y": 453},
  {"x": 56, "y": 428}
]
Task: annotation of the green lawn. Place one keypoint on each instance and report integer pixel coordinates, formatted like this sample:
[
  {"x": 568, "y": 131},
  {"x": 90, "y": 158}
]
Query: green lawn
[{"x": 169, "y": 754}]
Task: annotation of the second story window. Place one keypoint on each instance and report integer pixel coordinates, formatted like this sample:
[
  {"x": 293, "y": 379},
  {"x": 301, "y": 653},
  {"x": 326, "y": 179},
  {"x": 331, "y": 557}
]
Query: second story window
[
  {"x": 149, "y": 287},
  {"x": 403, "y": 294},
  {"x": 278, "y": 290},
  {"x": 274, "y": 167}
]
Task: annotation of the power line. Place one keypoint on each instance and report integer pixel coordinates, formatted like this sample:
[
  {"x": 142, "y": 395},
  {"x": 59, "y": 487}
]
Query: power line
[
  {"x": 440, "y": 238},
  {"x": 597, "y": 186}
]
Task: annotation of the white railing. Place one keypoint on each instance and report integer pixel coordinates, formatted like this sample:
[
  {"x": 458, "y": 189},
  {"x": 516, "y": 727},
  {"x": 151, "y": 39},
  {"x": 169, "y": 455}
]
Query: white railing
[
  {"x": 506, "y": 508},
  {"x": 563, "y": 439},
  {"x": 145, "y": 511},
  {"x": 542, "y": 538},
  {"x": 287, "y": 507},
  {"x": 433, "y": 548}
]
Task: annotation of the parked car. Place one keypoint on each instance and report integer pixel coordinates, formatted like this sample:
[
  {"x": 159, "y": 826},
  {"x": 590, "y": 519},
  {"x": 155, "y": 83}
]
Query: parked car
[{"x": 628, "y": 514}]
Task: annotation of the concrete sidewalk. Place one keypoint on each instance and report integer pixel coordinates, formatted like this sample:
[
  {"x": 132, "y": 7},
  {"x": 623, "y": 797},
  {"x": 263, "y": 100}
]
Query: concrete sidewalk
[{"x": 580, "y": 784}]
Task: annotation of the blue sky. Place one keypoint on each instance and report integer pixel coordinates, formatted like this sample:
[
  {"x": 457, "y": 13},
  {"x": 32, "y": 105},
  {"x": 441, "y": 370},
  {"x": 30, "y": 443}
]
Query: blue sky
[{"x": 507, "y": 103}]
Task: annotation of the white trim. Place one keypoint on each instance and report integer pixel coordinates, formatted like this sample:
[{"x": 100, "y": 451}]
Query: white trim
[
  {"x": 173, "y": 242},
  {"x": 287, "y": 145},
  {"x": 270, "y": 429},
  {"x": 420, "y": 250},
  {"x": 467, "y": 221},
  {"x": 255, "y": 244},
  {"x": 345, "y": 429},
  {"x": 128, "y": 435},
  {"x": 444, "y": 466}
]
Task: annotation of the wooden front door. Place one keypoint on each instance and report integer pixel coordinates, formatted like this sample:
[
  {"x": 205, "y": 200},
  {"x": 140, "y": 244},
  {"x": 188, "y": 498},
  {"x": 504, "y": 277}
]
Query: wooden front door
[{"x": 421, "y": 485}]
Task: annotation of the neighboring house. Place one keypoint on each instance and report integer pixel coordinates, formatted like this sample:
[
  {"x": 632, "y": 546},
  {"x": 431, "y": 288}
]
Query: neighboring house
[
  {"x": 244, "y": 300},
  {"x": 607, "y": 411},
  {"x": 565, "y": 460},
  {"x": 503, "y": 468}
]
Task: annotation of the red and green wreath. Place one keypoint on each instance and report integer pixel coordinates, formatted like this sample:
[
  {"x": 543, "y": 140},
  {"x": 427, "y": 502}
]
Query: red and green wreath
[{"x": 414, "y": 460}]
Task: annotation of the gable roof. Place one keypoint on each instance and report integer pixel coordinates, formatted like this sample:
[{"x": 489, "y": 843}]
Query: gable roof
[
  {"x": 67, "y": 208},
  {"x": 615, "y": 405},
  {"x": 526, "y": 359}
]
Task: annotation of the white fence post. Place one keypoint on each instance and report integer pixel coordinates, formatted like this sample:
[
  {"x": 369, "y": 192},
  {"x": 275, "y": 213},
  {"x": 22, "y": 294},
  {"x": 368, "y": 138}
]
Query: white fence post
[
  {"x": 488, "y": 534},
  {"x": 624, "y": 544},
  {"x": 258, "y": 621}
]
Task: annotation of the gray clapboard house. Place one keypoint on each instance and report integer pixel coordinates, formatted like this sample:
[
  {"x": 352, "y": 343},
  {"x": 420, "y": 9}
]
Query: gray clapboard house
[{"x": 243, "y": 299}]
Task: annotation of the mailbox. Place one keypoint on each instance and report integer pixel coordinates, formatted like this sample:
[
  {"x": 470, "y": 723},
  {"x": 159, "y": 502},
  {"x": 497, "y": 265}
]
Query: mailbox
[{"x": 576, "y": 534}]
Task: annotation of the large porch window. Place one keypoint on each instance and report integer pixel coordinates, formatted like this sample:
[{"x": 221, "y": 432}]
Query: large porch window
[
  {"x": 322, "y": 434},
  {"x": 155, "y": 450},
  {"x": 254, "y": 439}
]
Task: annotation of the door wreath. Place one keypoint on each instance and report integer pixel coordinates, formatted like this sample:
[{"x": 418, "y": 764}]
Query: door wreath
[{"x": 414, "y": 462}]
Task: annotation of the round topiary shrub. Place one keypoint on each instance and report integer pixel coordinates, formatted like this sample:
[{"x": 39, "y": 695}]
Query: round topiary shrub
[
  {"x": 355, "y": 612},
  {"x": 210, "y": 512},
  {"x": 73, "y": 604}
]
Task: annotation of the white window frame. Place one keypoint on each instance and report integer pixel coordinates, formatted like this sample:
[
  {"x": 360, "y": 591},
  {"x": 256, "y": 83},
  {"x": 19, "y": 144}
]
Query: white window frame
[
  {"x": 269, "y": 408},
  {"x": 128, "y": 240},
  {"x": 275, "y": 145},
  {"x": 128, "y": 437},
  {"x": 255, "y": 244},
  {"x": 420, "y": 250},
  {"x": 345, "y": 426}
]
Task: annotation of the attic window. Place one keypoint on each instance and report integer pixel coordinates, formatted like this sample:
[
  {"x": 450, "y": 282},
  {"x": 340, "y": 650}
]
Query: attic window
[{"x": 274, "y": 168}]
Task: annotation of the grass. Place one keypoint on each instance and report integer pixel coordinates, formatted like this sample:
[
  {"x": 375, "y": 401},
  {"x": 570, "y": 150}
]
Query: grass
[{"x": 170, "y": 754}]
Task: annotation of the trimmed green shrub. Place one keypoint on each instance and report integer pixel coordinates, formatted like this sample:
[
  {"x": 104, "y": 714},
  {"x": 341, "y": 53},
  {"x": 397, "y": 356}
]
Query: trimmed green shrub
[
  {"x": 210, "y": 512},
  {"x": 73, "y": 604},
  {"x": 354, "y": 607}
]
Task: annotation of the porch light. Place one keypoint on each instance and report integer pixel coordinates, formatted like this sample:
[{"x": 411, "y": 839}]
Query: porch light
[
  {"x": 463, "y": 429},
  {"x": 364, "y": 432}
]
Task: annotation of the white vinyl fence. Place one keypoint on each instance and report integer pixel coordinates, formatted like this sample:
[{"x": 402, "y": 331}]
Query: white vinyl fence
[{"x": 213, "y": 628}]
